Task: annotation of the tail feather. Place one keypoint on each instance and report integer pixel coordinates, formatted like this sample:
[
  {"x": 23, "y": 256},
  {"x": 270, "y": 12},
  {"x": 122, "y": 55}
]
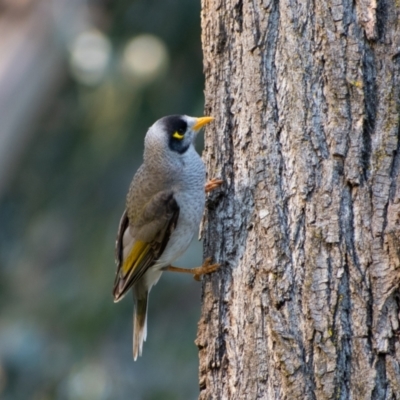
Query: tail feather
[{"x": 139, "y": 325}]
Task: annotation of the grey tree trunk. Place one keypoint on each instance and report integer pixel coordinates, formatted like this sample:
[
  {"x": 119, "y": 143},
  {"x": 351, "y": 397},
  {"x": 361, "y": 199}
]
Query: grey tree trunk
[{"x": 307, "y": 226}]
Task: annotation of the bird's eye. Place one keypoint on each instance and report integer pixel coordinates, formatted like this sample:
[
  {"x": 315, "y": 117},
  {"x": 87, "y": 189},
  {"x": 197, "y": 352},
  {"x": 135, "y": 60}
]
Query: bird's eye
[{"x": 178, "y": 135}]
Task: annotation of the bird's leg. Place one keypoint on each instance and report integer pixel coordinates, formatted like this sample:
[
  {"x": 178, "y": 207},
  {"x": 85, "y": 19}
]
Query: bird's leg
[
  {"x": 213, "y": 184},
  {"x": 206, "y": 268}
]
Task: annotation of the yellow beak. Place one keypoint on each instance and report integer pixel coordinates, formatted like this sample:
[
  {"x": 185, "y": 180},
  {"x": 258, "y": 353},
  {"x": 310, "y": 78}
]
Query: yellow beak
[{"x": 200, "y": 122}]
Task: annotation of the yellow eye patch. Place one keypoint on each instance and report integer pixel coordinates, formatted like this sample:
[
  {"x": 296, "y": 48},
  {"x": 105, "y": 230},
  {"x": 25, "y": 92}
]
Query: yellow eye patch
[{"x": 178, "y": 135}]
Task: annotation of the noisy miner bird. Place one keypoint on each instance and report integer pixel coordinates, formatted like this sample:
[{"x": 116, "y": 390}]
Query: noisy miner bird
[{"x": 164, "y": 207}]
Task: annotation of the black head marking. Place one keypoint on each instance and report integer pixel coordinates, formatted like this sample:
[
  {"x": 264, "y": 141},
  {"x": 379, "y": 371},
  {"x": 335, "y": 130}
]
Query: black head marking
[{"x": 172, "y": 124}]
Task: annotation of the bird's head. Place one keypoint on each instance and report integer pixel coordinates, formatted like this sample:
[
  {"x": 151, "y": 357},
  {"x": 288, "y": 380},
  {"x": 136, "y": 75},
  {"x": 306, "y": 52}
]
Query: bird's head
[{"x": 175, "y": 133}]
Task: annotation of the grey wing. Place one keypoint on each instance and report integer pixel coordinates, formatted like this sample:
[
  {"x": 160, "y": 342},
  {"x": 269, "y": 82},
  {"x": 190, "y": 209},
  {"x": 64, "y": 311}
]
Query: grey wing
[{"x": 140, "y": 244}]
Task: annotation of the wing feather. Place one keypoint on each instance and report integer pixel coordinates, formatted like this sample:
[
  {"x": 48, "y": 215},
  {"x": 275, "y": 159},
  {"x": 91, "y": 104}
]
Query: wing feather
[{"x": 140, "y": 244}]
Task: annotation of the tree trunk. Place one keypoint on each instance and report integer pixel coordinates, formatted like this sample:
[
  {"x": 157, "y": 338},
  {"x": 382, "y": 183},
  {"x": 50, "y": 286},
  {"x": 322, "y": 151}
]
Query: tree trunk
[{"x": 307, "y": 225}]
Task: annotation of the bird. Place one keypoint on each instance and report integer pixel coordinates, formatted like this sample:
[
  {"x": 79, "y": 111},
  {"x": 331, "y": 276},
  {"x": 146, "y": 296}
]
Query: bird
[{"x": 164, "y": 207}]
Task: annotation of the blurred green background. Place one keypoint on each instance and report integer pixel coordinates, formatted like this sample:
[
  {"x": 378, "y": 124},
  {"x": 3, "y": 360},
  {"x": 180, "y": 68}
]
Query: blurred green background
[{"x": 80, "y": 83}]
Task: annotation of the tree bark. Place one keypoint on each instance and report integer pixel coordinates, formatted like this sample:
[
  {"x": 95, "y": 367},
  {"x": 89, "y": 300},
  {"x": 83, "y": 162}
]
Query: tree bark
[{"x": 307, "y": 224}]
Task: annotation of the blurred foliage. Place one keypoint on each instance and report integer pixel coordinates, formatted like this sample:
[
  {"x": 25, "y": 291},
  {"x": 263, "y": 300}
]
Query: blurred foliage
[{"x": 61, "y": 336}]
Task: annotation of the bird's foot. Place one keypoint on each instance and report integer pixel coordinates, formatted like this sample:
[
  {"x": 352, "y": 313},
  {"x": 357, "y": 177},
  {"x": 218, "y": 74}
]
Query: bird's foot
[
  {"x": 213, "y": 184},
  {"x": 206, "y": 268}
]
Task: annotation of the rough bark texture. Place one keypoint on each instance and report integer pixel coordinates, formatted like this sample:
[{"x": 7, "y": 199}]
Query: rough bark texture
[{"x": 307, "y": 226}]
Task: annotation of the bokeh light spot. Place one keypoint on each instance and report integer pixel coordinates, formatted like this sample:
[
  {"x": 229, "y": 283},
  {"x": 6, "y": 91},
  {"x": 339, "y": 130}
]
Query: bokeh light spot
[
  {"x": 145, "y": 58},
  {"x": 90, "y": 57},
  {"x": 88, "y": 382}
]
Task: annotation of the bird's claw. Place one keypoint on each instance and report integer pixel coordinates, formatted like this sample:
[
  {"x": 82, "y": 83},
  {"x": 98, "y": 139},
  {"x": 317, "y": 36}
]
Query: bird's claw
[
  {"x": 206, "y": 268},
  {"x": 213, "y": 184}
]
